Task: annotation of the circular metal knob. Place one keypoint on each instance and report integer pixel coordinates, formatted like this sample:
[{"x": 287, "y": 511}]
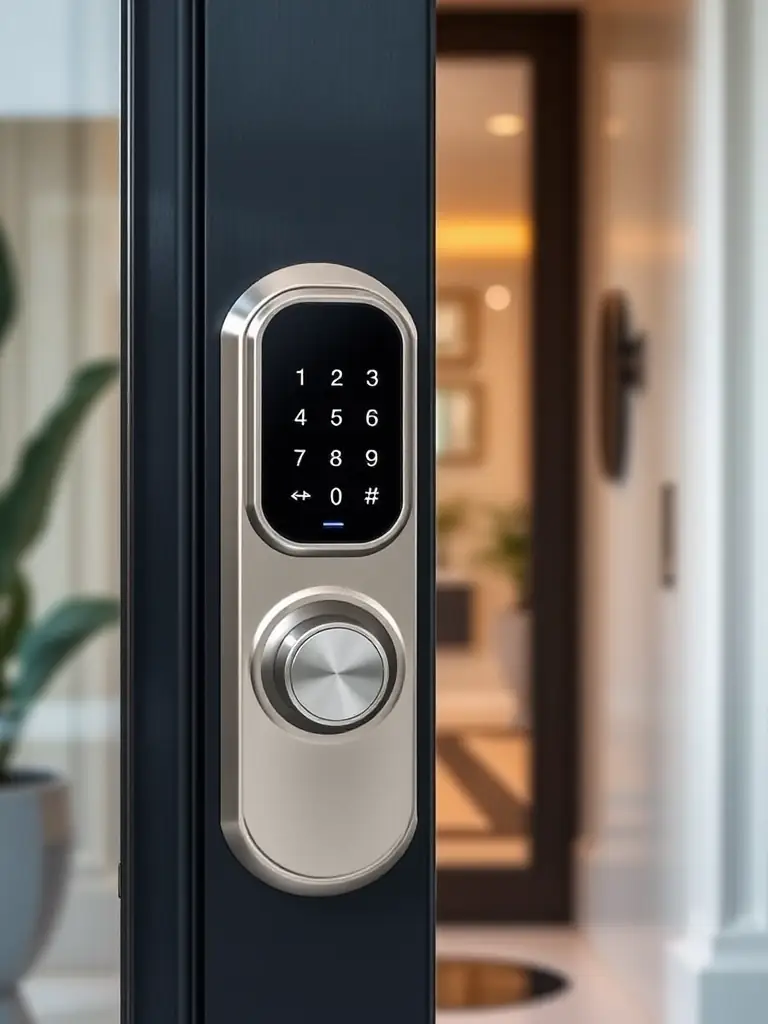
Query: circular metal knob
[
  {"x": 328, "y": 666},
  {"x": 335, "y": 673}
]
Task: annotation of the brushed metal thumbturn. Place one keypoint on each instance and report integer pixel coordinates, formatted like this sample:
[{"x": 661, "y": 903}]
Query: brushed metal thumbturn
[
  {"x": 335, "y": 673},
  {"x": 328, "y": 666}
]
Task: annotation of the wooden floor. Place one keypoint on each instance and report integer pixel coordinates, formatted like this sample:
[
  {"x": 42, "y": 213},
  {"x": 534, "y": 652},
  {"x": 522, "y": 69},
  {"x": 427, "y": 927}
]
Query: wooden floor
[{"x": 483, "y": 797}]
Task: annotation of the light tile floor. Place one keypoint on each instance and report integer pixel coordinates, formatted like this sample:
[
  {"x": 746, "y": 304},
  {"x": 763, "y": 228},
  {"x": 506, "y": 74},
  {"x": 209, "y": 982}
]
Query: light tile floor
[{"x": 593, "y": 999}]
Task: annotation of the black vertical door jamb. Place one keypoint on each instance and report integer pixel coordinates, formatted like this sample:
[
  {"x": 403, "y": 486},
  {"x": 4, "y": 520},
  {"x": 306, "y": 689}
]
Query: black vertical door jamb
[{"x": 161, "y": 357}]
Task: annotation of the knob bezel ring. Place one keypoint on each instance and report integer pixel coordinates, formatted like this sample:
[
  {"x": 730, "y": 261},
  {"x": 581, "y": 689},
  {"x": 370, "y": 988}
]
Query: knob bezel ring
[{"x": 341, "y": 607}]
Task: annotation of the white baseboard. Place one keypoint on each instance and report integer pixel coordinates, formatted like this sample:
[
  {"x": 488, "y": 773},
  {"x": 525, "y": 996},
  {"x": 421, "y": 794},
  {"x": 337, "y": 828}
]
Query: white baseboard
[
  {"x": 707, "y": 985},
  {"x": 87, "y": 936},
  {"x": 699, "y": 982},
  {"x": 614, "y": 916}
]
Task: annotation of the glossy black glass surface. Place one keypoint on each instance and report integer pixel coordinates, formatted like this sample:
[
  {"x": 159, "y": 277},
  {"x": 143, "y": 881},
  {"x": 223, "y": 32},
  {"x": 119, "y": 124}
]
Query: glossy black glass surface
[{"x": 331, "y": 380}]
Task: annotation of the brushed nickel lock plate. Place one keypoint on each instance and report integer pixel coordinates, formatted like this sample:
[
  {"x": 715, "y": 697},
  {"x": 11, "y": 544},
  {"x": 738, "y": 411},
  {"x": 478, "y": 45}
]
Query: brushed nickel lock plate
[{"x": 318, "y": 620}]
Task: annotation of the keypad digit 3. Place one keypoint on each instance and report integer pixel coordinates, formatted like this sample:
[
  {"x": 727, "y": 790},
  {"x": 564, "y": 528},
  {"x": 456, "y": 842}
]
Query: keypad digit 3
[{"x": 331, "y": 449}]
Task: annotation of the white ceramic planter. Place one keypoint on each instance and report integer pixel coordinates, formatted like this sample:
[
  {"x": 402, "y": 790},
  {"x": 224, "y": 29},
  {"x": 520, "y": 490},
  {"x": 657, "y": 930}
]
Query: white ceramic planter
[
  {"x": 514, "y": 646},
  {"x": 35, "y": 844}
]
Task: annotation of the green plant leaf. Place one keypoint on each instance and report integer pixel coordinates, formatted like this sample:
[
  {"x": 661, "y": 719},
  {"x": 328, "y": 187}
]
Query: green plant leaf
[
  {"x": 44, "y": 647},
  {"x": 46, "y": 644},
  {"x": 8, "y": 288},
  {"x": 449, "y": 517},
  {"x": 26, "y": 501},
  {"x": 510, "y": 547},
  {"x": 14, "y": 617}
]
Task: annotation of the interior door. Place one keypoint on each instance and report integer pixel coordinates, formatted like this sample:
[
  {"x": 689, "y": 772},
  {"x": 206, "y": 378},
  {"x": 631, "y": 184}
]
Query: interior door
[{"x": 278, "y": 571}]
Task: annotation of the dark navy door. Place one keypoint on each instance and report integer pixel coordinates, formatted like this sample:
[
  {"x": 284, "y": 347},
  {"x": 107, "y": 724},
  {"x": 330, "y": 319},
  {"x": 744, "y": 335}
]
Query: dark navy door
[{"x": 260, "y": 137}]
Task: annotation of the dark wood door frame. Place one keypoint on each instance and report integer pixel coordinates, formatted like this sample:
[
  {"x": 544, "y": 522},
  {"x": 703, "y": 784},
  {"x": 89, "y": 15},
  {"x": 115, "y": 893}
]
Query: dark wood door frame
[{"x": 551, "y": 43}]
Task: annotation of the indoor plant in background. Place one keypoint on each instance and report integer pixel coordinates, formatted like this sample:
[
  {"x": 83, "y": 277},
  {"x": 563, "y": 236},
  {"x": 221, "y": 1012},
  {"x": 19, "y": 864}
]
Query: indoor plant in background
[
  {"x": 450, "y": 518},
  {"x": 509, "y": 551},
  {"x": 454, "y": 613},
  {"x": 35, "y": 825}
]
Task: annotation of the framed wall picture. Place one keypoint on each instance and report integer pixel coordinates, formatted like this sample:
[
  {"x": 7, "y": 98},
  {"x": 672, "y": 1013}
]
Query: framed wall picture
[
  {"x": 456, "y": 326},
  {"x": 458, "y": 422}
]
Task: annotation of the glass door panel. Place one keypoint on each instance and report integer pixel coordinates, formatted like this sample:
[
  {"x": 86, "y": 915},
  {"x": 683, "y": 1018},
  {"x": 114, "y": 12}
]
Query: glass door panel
[{"x": 484, "y": 610}]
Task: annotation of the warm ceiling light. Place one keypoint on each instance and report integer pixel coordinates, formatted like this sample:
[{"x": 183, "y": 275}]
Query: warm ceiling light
[
  {"x": 497, "y": 297},
  {"x": 483, "y": 237},
  {"x": 505, "y": 125}
]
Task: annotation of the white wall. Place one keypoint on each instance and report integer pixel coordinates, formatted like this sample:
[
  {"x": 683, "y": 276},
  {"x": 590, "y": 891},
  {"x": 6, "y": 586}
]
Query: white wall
[
  {"x": 718, "y": 966},
  {"x": 59, "y": 58},
  {"x": 674, "y": 858},
  {"x": 637, "y": 89}
]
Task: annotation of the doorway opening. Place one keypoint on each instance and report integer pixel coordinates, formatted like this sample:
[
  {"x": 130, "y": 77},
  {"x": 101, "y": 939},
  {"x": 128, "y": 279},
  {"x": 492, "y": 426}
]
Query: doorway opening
[{"x": 507, "y": 325}]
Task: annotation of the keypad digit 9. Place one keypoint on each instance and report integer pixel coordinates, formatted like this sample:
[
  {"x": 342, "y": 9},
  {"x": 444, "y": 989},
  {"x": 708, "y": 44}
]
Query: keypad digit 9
[{"x": 331, "y": 446}]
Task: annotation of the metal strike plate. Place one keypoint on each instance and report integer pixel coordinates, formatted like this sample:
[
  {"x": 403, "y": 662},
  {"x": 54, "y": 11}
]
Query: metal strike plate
[{"x": 318, "y": 621}]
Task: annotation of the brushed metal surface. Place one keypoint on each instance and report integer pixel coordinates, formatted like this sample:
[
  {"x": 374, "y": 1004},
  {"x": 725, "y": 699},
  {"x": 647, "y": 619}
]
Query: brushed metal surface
[
  {"x": 309, "y": 813},
  {"x": 336, "y": 674}
]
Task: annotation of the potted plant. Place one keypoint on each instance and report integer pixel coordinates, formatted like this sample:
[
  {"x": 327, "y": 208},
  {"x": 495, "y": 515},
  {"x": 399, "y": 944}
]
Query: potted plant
[
  {"x": 450, "y": 517},
  {"x": 35, "y": 827},
  {"x": 453, "y": 594},
  {"x": 510, "y": 552}
]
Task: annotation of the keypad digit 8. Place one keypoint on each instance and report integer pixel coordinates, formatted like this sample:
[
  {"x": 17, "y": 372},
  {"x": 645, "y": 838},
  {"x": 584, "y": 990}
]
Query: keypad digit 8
[{"x": 331, "y": 448}]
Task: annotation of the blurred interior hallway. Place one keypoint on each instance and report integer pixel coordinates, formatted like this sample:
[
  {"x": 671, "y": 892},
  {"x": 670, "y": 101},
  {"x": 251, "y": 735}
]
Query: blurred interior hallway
[
  {"x": 669, "y": 864},
  {"x": 671, "y": 856}
]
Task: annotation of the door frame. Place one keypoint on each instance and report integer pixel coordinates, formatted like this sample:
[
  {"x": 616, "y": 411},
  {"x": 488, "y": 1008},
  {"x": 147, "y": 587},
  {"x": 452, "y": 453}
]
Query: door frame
[{"x": 551, "y": 42}]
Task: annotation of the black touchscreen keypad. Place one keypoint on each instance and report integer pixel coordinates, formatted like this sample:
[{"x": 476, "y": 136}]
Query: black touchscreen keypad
[{"x": 332, "y": 423}]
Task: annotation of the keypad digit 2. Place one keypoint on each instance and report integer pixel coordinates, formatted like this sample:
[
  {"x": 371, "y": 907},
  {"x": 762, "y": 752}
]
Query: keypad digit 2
[{"x": 331, "y": 452}]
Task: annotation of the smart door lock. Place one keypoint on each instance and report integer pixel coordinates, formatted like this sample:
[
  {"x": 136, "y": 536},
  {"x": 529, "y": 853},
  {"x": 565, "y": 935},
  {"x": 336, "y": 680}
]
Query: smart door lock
[{"x": 318, "y": 585}]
